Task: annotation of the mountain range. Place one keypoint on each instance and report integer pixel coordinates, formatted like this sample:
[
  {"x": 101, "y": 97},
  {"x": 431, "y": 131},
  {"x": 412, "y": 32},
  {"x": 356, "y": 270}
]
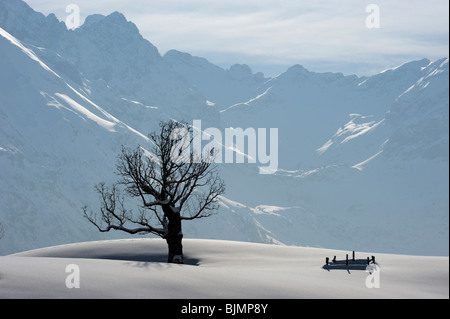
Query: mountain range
[{"x": 362, "y": 160}]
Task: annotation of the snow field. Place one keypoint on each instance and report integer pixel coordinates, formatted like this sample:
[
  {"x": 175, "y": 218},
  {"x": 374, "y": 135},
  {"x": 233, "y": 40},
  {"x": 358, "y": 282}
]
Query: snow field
[{"x": 214, "y": 269}]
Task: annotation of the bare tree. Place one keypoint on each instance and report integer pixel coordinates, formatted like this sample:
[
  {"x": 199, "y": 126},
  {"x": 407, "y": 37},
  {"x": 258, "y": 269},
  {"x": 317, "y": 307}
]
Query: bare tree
[{"x": 171, "y": 183}]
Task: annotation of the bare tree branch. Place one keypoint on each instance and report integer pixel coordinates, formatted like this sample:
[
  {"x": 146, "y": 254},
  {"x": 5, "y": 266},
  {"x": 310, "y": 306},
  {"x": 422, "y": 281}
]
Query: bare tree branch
[{"x": 171, "y": 184}]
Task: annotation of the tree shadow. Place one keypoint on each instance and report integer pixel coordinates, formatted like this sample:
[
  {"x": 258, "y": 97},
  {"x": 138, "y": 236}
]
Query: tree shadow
[
  {"x": 150, "y": 258},
  {"x": 160, "y": 260},
  {"x": 146, "y": 258},
  {"x": 118, "y": 253}
]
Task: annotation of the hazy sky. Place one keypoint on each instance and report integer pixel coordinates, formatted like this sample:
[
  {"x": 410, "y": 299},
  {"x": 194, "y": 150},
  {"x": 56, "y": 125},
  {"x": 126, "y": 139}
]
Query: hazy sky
[{"x": 270, "y": 35}]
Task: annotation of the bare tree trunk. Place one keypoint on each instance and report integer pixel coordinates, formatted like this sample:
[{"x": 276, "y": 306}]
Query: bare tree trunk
[
  {"x": 174, "y": 237},
  {"x": 175, "y": 249}
]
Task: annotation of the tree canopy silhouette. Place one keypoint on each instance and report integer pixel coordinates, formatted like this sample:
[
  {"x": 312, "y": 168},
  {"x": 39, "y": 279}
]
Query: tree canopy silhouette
[{"x": 171, "y": 183}]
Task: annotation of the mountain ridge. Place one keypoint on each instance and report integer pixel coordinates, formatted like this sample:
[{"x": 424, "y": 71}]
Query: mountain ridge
[{"x": 358, "y": 157}]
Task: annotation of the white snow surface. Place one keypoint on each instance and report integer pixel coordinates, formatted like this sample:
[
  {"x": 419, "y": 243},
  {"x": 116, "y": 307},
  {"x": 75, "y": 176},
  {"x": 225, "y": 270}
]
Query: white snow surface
[{"x": 214, "y": 269}]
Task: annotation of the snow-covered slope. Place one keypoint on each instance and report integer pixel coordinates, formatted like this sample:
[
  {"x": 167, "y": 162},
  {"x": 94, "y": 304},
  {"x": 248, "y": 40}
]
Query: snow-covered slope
[
  {"x": 135, "y": 268},
  {"x": 363, "y": 161},
  {"x": 52, "y": 140},
  {"x": 56, "y": 144},
  {"x": 111, "y": 62},
  {"x": 364, "y": 158}
]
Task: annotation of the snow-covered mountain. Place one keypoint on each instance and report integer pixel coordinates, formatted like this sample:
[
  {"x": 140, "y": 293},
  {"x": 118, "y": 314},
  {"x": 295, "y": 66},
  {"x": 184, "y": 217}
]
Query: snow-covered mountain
[
  {"x": 223, "y": 87},
  {"x": 363, "y": 161},
  {"x": 367, "y": 158}
]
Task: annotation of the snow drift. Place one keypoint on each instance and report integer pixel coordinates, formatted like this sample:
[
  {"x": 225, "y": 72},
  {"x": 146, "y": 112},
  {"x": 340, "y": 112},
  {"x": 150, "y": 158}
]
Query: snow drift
[{"x": 135, "y": 268}]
